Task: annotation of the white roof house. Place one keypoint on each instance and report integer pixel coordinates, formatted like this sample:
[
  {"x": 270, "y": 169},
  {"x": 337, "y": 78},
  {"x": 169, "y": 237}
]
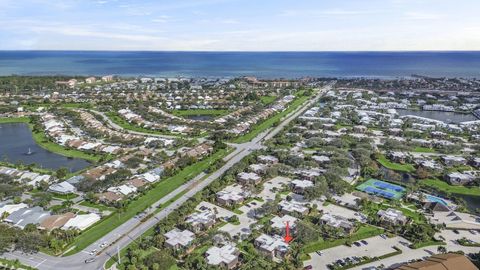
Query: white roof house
[
  {"x": 224, "y": 256},
  {"x": 301, "y": 184},
  {"x": 292, "y": 207},
  {"x": 150, "y": 177},
  {"x": 123, "y": 189},
  {"x": 177, "y": 238},
  {"x": 271, "y": 244},
  {"x": 62, "y": 188},
  {"x": 82, "y": 222},
  {"x": 393, "y": 216},
  {"x": 281, "y": 222},
  {"x": 337, "y": 221}
]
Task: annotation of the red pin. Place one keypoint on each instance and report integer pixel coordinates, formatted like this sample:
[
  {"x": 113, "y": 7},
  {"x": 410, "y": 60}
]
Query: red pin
[{"x": 287, "y": 237}]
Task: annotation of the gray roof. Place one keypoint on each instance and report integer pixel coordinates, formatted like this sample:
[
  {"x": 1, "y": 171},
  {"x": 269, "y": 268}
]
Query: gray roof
[
  {"x": 24, "y": 216},
  {"x": 75, "y": 179}
]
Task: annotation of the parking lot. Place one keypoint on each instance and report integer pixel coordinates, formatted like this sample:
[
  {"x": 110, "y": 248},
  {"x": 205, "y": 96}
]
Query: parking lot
[{"x": 377, "y": 246}]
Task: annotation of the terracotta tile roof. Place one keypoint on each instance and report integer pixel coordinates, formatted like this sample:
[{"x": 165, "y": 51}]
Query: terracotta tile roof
[{"x": 449, "y": 261}]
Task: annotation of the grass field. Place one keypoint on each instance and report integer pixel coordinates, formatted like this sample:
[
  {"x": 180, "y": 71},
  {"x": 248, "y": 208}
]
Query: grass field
[
  {"x": 395, "y": 166},
  {"x": 258, "y": 128},
  {"x": 100, "y": 207},
  {"x": 163, "y": 188},
  {"x": 365, "y": 231},
  {"x": 424, "y": 150},
  {"x": 267, "y": 100},
  {"x": 41, "y": 139},
  {"x": 126, "y": 125},
  {"x": 445, "y": 187},
  {"x": 211, "y": 112}
]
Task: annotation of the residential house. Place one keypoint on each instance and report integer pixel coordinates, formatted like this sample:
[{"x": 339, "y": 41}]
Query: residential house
[
  {"x": 177, "y": 239},
  {"x": 392, "y": 217},
  {"x": 338, "y": 222},
  {"x": 457, "y": 178},
  {"x": 271, "y": 246},
  {"x": 267, "y": 159},
  {"x": 449, "y": 261},
  {"x": 454, "y": 160},
  {"x": 248, "y": 178},
  {"x": 201, "y": 221},
  {"x": 292, "y": 207},
  {"x": 299, "y": 186},
  {"x": 225, "y": 257}
]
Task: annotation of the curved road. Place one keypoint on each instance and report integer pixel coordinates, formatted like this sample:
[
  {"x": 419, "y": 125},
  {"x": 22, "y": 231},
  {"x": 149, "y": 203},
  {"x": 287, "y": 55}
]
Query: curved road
[{"x": 134, "y": 228}]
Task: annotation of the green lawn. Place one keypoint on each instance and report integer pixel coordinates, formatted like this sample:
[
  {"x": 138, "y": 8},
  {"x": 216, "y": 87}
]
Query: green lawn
[
  {"x": 424, "y": 150},
  {"x": 395, "y": 166},
  {"x": 365, "y": 231},
  {"x": 41, "y": 139},
  {"x": 14, "y": 120},
  {"x": 258, "y": 128},
  {"x": 212, "y": 112},
  {"x": 163, "y": 188},
  {"x": 445, "y": 187},
  {"x": 267, "y": 100},
  {"x": 64, "y": 196},
  {"x": 134, "y": 127},
  {"x": 100, "y": 207}
]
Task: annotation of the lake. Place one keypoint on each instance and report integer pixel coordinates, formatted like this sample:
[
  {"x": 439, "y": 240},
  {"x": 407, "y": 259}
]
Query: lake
[
  {"x": 16, "y": 140},
  {"x": 447, "y": 117}
]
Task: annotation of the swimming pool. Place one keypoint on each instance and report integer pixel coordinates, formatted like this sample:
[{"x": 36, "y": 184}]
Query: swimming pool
[{"x": 431, "y": 198}]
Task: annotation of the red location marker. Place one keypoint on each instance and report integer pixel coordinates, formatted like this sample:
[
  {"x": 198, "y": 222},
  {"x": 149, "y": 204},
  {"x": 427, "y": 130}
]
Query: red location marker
[{"x": 287, "y": 237}]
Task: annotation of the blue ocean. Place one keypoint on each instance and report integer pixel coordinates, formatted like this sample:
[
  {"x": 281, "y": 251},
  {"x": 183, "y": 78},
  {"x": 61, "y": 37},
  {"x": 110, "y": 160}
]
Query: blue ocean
[{"x": 234, "y": 64}]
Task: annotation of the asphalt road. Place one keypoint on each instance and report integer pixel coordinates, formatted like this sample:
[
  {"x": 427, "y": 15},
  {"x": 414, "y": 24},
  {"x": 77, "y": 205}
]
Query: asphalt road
[{"x": 134, "y": 228}]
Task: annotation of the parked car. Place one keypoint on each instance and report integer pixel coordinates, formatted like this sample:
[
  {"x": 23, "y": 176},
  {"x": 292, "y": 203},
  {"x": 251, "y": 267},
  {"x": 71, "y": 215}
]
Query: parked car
[
  {"x": 357, "y": 244},
  {"x": 364, "y": 242}
]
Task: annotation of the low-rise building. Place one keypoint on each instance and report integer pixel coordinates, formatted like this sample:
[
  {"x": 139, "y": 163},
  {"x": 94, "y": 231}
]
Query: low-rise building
[
  {"x": 201, "y": 221},
  {"x": 225, "y": 257},
  {"x": 62, "y": 188},
  {"x": 271, "y": 246},
  {"x": 231, "y": 195},
  {"x": 81, "y": 222},
  {"x": 179, "y": 239},
  {"x": 267, "y": 159},
  {"x": 338, "y": 222},
  {"x": 449, "y": 261},
  {"x": 248, "y": 178},
  {"x": 457, "y": 178},
  {"x": 292, "y": 207},
  {"x": 453, "y": 160},
  {"x": 392, "y": 217},
  {"x": 280, "y": 223},
  {"x": 299, "y": 186}
]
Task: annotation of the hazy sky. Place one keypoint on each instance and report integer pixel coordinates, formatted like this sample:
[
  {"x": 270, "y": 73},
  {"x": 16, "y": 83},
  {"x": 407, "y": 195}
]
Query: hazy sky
[{"x": 252, "y": 25}]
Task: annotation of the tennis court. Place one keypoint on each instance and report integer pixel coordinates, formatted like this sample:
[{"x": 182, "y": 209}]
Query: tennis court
[{"x": 382, "y": 189}]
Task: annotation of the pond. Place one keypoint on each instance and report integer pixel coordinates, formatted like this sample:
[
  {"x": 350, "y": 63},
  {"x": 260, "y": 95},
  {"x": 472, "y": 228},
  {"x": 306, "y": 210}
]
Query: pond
[
  {"x": 472, "y": 202},
  {"x": 17, "y": 146},
  {"x": 448, "y": 117}
]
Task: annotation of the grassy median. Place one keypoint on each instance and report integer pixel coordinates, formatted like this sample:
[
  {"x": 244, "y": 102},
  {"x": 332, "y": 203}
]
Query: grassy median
[{"x": 268, "y": 123}]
